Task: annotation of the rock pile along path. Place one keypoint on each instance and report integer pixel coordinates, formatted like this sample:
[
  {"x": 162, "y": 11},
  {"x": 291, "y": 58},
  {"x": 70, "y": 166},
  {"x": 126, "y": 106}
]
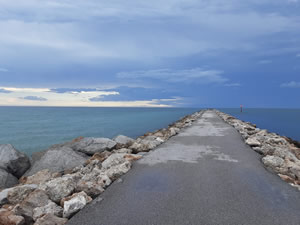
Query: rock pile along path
[{"x": 204, "y": 175}]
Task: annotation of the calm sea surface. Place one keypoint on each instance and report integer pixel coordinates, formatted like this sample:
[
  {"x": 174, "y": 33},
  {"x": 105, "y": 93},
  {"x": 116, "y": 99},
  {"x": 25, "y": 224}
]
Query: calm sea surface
[
  {"x": 282, "y": 121},
  {"x": 32, "y": 129}
]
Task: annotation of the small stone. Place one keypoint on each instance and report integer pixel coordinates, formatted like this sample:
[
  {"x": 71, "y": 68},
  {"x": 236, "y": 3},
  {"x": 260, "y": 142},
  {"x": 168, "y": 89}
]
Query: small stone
[
  {"x": 101, "y": 156},
  {"x": 132, "y": 157},
  {"x": 115, "y": 172},
  {"x": 122, "y": 150},
  {"x": 40, "y": 177},
  {"x": 19, "y": 193},
  {"x": 76, "y": 203},
  {"x": 113, "y": 160},
  {"x": 9, "y": 218},
  {"x": 15, "y": 194},
  {"x": 273, "y": 162},
  {"x": 50, "y": 219},
  {"x": 253, "y": 142},
  {"x": 60, "y": 187},
  {"x": 37, "y": 198},
  {"x": 50, "y": 208},
  {"x": 82, "y": 193},
  {"x": 286, "y": 178}
]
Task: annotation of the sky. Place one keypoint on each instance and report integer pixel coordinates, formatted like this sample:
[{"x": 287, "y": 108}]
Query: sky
[{"x": 141, "y": 53}]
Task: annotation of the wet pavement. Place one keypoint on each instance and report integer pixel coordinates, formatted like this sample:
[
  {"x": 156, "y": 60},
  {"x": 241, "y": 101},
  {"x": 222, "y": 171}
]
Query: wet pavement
[{"x": 205, "y": 175}]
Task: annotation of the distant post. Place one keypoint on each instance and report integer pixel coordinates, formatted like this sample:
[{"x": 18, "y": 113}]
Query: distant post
[{"x": 241, "y": 108}]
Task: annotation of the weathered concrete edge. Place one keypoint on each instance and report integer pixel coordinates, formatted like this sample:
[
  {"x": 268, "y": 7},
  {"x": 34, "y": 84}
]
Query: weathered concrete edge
[{"x": 280, "y": 155}]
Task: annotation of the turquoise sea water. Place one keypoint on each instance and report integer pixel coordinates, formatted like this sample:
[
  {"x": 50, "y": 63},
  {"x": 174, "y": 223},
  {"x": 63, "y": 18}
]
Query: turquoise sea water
[
  {"x": 285, "y": 122},
  {"x": 32, "y": 129}
]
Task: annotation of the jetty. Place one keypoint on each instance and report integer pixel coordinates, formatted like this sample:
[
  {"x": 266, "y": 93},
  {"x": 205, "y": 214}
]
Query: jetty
[{"x": 206, "y": 174}]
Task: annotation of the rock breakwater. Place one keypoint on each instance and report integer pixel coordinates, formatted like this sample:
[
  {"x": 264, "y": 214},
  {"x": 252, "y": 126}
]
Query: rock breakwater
[
  {"x": 279, "y": 154},
  {"x": 66, "y": 177}
]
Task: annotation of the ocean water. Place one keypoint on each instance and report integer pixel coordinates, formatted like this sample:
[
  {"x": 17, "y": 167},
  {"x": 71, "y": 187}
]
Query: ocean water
[
  {"x": 285, "y": 122},
  {"x": 32, "y": 129}
]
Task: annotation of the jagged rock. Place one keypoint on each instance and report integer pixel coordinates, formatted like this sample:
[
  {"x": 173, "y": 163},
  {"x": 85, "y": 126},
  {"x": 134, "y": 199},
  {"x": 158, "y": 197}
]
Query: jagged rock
[
  {"x": 40, "y": 177},
  {"x": 50, "y": 208},
  {"x": 19, "y": 193},
  {"x": 146, "y": 144},
  {"x": 115, "y": 172},
  {"x": 253, "y": 142},
  {"x": 92, "y": 188},
  {"x": 113, "y": 160},
  {"x": 57, "y": 160},
  {"x": 91, "y": 146},
  {"x": 173, "y": 131},
  {"x": 9, "y": 218},
  {"x": 75, "y": 203},
  {"x": 117, "y": 159},
  {"x": 277, "y": 140},
  {"x": 159, "y": 133},
  {"x": 6, "y": 179},
  {"x": 50, "y": 219},
  {"x": 132, "y": 157},
  {"x": 13, "y": 161},
  {"x": 101, "y": 156},
  {"x": 60, "y": 187},
  {"x": 123, "y": 141},
  {"x": 273, "y": 162},
  {"x": 37, "y": 198},
  {"x": 296, "y": 151},
  {"x": 93, "y": 183},
  {"x": 122, "y": 150},
  {"x": 284, "y": 153},
  {"x": 286, "y": 178},
  {"x": 82, "y": 193},
  {"x": 295, "y": 170},
  {"x": 15, "y": 194},
  {"x": 264, "y": 149}
]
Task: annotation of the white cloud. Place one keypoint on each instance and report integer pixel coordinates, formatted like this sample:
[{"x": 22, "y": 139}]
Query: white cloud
[
  {"x": 25, "y": 90},
  {"x": 292, "y": 84},
  {"x": 188, "y": 75},
  {"x": 46, "y": 97},
  {"x": 139, "y": 27}
]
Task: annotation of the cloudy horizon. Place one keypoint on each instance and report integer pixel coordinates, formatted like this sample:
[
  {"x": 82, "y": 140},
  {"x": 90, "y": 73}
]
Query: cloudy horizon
[{"x": 175, "y": 53}]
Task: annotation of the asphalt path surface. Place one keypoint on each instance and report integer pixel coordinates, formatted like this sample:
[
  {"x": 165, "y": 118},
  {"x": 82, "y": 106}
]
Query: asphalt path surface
[{"x": 206, "y": 175}]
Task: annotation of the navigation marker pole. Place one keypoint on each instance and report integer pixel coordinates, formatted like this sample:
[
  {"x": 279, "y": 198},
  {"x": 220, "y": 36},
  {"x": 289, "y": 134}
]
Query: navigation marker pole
[{"x": 241, "y": 108}]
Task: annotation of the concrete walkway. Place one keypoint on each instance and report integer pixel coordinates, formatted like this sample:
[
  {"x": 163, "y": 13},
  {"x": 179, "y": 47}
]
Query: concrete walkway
[{"x": 205, "y": 175}]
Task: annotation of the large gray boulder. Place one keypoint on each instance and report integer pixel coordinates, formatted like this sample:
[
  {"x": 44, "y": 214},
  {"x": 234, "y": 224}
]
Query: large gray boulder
[
  {"x": 91, "y": 146},
  {"x": 13, "y": 161},
  {"x": 6, "y": 179},
  {"x": 57, "y": 160},
  {"x": 123, "y": 141}
]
